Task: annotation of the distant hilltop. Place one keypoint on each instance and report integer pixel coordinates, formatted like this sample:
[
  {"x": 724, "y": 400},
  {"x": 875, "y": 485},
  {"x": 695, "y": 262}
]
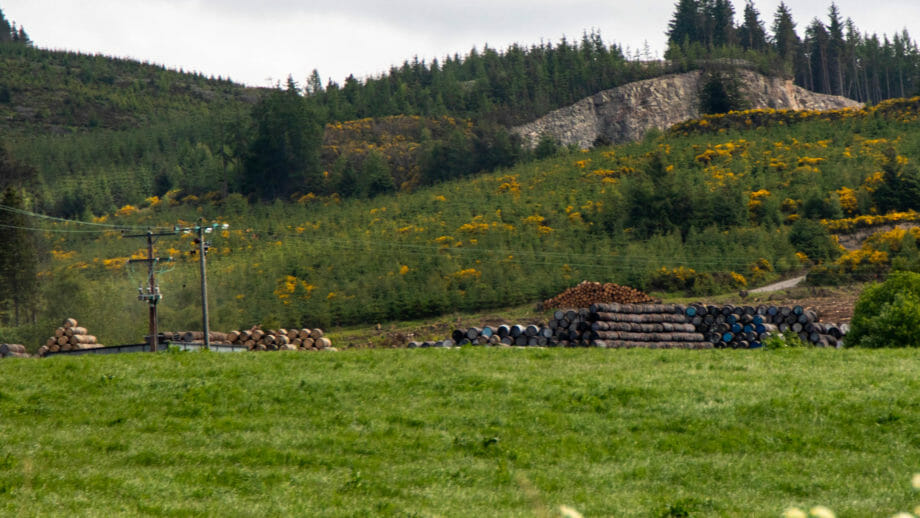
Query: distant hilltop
[{"x": 628, "y": 112}]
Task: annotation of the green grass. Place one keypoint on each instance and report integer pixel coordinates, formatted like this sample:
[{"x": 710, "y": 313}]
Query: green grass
[{"x": 462, "y": 432}]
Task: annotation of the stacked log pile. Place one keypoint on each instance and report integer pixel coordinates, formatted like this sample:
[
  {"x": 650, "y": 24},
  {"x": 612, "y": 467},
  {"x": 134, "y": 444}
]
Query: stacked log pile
[
  {"x": 739, "y": 321},
  {"x": 514, "y": 334},
  {"x": 258, "y": 339},
  {"x": 587, "y": 293},
  {"x": 651, "y": 326},
  {"x": 13, "y": 351},
  {"x": 657, "y": 326},
  {"x": 68, "y": 337}
]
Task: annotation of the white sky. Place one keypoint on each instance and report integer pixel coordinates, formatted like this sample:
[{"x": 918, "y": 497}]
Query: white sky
[{"x": 259, "y": 42}]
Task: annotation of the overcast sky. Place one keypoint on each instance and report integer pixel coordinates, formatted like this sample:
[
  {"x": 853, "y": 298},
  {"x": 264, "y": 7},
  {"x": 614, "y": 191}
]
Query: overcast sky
[{"x": 259, "y": 42}]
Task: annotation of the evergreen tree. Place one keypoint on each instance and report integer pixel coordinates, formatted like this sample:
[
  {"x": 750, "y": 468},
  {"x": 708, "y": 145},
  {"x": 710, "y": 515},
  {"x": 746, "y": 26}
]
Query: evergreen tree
[
  {"x": 6, "y": 30},
  {"x": 314, "y": 83},
  {"x": 18, "y": 258},
  {"x": 284, "y": 156},
  {"x": 685, "y": 26},
  {"x": 720, "y": 22},
  {"x": 817, "y": 45},
  {"x": 835, "y": 51},
  {"x": 752, "y": 34},
  {"x": 785, "y": 40}
]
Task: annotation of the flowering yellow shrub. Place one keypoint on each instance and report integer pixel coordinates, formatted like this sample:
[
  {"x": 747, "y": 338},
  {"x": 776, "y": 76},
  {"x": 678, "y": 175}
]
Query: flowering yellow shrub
[
  {"x": 738, "y": 280},
  {"x": 289, "y": 285},
  {"x": 60, "y": 255},
  {"x": 850, "y": 224},
  {"x": 509, "y": 185},
  {"x": 127, "y": 210},
  {"x": 468, "y": 273},
  {"x": 847, "y": 199}
]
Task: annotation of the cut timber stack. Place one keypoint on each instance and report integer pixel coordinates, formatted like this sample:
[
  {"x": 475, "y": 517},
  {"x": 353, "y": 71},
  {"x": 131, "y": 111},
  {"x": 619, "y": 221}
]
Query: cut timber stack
[
  {"x": 13, "y": 351},
  {"x": 732, "y": 326},
  {"x": 587, "y": 293},
  {"x": 516, "y": 334},
  {"x": 657, "y": 326},
  {"x": 69, "y": 337},
  {"x": 257, "y": 339},
  {"x": 193, "y": 337},
  {"x": 650, "y": 326},
  {"x": 299, "y": 339}
]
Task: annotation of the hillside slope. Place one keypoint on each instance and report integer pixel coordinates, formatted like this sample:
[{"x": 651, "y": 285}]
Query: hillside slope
[{"x": 626, "y": 113}]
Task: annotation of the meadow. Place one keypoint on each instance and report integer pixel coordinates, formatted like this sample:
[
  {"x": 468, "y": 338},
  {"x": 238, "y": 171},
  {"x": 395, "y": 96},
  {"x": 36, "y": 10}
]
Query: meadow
[{"x": 461, "y": 432}]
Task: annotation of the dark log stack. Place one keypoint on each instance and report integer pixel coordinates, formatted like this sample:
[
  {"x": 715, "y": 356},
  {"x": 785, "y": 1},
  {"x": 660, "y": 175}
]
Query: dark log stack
[
  {"x": 587, "y": 293},
  {"x": 652, "y": 326},
  {"x": 69, "y": 337},
  {"x": 13, "y": 351},
  {"x": 739, "y": 321},
  {"x": 657, "y": 326}
]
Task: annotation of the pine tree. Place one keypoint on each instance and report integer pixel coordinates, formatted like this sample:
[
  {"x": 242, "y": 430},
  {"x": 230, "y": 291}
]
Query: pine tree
[
  {"x": 284, "y": 156},
  {"x": 835, "y": 50},
  {"x": 18, "y": 257},
  {"x": 314, "y": 83},
  {"x": 817, "y": 45},
  {"x": 752, "y": 34},
  {"x": 785, "y": 40},
  {"x": 685, "y": 26},
  {"x": 720, "y": 16},
  {"x": 6, "y": 30}
]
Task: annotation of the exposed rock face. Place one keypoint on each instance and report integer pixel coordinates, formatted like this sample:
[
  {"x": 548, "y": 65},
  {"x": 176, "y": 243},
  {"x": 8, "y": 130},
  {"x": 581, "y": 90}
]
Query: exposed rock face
[{"x": 626, "y": 113}]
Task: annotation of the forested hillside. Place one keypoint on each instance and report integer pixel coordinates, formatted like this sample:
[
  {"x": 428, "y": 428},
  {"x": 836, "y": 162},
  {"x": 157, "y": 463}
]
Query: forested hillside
[
  {"x": 723, "y": 203},
  {"x": 404, "y": 195}
]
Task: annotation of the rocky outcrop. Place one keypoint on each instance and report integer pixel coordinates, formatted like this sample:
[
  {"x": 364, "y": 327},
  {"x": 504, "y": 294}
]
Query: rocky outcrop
[{"x": 628, "y": 112}]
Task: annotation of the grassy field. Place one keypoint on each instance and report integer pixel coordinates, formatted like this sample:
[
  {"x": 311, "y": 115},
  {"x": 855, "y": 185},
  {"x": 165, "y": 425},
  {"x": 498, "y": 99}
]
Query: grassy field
[{"x": 461, "y": 432}]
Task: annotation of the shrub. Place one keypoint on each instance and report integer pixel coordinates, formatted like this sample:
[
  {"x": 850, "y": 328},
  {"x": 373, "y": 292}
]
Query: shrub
[
  {"x": 888, "y": 314},
  {"x": 810, "y": 237}
]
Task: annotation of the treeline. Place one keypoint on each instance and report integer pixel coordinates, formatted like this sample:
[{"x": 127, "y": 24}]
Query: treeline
[
  {"x": 521, "y": 83},
  {"x": 832, "y": 56},
  {"x": 9, "y": 33},
  {"x": 43, "y": 91},
  {"x": 508, "y": 87}
]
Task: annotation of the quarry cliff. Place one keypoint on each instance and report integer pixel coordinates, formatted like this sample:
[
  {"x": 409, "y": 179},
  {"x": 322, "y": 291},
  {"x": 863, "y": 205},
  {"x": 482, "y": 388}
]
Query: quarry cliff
[{"x": 628, "y": 112}]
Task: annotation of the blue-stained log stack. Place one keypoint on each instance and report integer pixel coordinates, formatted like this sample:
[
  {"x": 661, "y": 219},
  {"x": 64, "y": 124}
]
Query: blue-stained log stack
[{"x": 657, "y": 326}]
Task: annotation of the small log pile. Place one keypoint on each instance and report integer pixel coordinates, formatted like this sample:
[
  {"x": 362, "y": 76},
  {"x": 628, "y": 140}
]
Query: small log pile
[
  {"x": 68, "y": 337},
  {"x": 587, "y": 293},
  {"x": 193, "y": 337},
  {"x": 13, "y": 351},
  {"x": 303, "y": 339},
  {"x": 515, "y": 334},
  {"x": 258, "y": 339}
]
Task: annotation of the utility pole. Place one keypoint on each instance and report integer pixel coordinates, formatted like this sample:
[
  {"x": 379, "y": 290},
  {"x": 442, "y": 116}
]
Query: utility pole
[
  {"x": 151, "y": 294},
  {"x": 202, "y": 248},
  {"x": 201, "y": 229}
]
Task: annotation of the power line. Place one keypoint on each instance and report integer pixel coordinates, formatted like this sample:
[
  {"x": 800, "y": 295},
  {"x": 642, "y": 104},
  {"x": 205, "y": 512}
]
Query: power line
[{"x": 109, "y": 226}]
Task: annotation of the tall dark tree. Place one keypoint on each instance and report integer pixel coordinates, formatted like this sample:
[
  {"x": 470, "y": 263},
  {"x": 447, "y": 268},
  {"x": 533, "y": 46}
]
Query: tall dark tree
[
  {"x": 6, "y": 30},
  {"x": 751, "y": 34},
  {"x": 720, "y": 23},
  {"x": 685, "y": 26},
  {"x": 817, "y": 45},
  {"x": 284, "y": 155},
  {"x": 18, "y": 258},
  {"x": 835, "y": 50},
  {"x": 785, "y": 40}
]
